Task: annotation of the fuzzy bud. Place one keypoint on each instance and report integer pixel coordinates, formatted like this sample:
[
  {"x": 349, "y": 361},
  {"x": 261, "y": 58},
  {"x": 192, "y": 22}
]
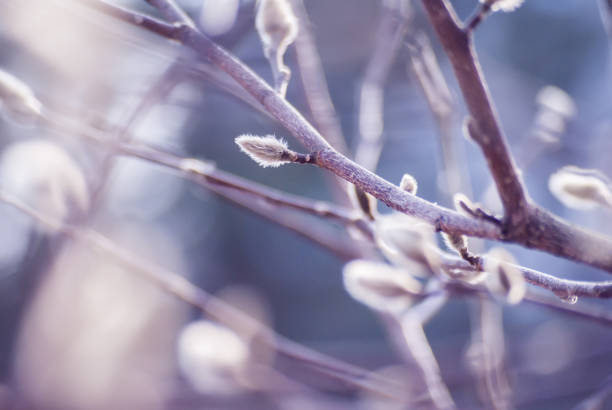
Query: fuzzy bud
[
  {"x": 267, "y": 151},
  {"x": 18, "y": 100},
  {"x": 380, "y": 286},
  {"x": 276, "y": 25},
  {"x": 580, "y": 188},
  {"x": 409, "y": 184}
]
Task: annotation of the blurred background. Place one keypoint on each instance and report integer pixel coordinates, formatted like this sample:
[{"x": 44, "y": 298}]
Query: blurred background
[{"x": 75, "y": 327}]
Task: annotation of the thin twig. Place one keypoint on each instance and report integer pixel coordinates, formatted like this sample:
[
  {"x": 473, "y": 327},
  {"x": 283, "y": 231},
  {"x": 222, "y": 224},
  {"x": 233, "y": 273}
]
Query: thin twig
[
  {"x": 423, "y": 355},
  {"x": 391, "y": 31},
  {"x": 485, "y": 128},
  {"x": 317, "y": 93},
  {"x": 563, "y": 288}
]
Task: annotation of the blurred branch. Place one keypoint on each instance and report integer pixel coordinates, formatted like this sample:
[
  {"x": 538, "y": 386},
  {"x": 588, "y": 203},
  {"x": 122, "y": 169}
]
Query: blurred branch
[
  {"x": 391, "y": 30},
  {"x": 175, "y": 284},
  {"x": 317, "y": 93},
  {"x": 487, "y": 354},
  {"x": 422, "y": 354},
  {"x": 541, "y": 231},
  {"x": 605, "y": 7},
  {"x": 426, "y": 69},
  {"x": 315, "y": 85},
  {"x": 159, "y": 91}
]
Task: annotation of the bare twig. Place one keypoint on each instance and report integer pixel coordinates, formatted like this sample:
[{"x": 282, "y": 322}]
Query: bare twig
[
  {"x": 317, "y": 93},
  {"x": 391, "y": 30},
  {"x": 314, "y": 82},
  {"x": 605, "y": 7},
  {"x": 485, "y": 129},
  {"x": 563, "y": 288},
  {"x": 421, "y": 352},
  {"x": 426, "y": 69},
  {"x": 487, "y": 353}
]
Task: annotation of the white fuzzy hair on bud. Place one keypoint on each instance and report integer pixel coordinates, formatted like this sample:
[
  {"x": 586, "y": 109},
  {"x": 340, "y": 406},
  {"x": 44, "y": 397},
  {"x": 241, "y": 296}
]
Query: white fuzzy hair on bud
[
  {"x": 579, "y": 188},
  {"x": 503, "y": 5},
  {"x": 409, "y": 184},
  {"x": 44, "y": 176},
  {"x": 18, "y": 100},
  {"x": 380, "y": 286},
  {"x": 267, "y": 151}
]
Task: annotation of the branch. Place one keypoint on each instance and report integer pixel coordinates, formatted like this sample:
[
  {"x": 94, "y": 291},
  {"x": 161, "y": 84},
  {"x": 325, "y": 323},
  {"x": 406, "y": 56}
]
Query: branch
[
  {"x": 314, "y": 83},
  {"x": 563, "y": 288},
  {"x": 317, "y": 94},
  {"x": 391, "y": 31},
  {"x": 485, "y": 129},
  {"x": 172, "y": 12},
  {"x": 175, "y": 284},
  {"x": 542, "y": 232}
]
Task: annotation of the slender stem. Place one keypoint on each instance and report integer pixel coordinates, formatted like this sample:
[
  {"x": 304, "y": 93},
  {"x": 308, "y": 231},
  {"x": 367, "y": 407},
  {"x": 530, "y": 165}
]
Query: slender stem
[
  {"x": 563, "y": 288},
  {"x": 391, "y": 31},
  {"x": 317, "y": 95}
]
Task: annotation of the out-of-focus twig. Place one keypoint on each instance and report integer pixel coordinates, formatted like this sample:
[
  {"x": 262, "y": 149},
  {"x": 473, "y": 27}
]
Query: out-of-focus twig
[
  {"x": 605, "y": 7},
  {"x": 317, "y": 92},
  {"x": 391, "y": 31}
]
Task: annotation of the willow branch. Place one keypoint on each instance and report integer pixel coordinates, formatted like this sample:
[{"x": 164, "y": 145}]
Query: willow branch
[
  {"x": 315, "y": 85},
  {"x": 542, "y": 231}
]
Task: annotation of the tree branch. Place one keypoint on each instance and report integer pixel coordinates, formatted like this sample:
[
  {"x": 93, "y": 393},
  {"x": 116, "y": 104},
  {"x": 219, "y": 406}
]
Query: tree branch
[
  {"x": 485, "y": 129},
  {"x": 560, "y": 240},
  {"x": 391, "y": 30}
]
